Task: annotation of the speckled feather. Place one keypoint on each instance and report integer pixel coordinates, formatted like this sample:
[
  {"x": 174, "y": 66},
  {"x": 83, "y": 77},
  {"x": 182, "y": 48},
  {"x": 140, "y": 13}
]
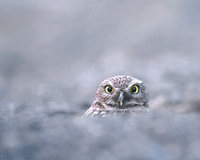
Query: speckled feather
[{"x": 105, "y": 104}]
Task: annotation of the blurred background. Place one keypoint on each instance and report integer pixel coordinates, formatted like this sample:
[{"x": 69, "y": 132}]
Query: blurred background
[{"x": 53, "y": 55}]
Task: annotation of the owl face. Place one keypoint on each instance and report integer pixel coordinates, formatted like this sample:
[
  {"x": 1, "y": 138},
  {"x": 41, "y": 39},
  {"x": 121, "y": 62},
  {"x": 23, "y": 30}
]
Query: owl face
[{"x": 122, "y": 92}]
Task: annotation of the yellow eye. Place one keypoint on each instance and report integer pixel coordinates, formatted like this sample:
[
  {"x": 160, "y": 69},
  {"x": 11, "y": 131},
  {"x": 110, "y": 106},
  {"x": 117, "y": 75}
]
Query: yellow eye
[
  {"x": 109, "y": 89},
  {"x": 134, "y": 89}
]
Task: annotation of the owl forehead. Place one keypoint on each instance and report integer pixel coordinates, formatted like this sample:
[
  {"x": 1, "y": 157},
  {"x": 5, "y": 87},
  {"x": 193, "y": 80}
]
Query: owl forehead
[{"x": 120, "y": 81}]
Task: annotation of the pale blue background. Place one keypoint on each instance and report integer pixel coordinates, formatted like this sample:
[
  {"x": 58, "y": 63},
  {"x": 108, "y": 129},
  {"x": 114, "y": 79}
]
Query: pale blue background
[{"x": 53, "y": 55}]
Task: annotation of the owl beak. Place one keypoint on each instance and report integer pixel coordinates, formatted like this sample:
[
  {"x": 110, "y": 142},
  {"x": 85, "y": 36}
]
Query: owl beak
[
  {"x": 121, "y": 103},
  {"x": 121, "y": 99}
]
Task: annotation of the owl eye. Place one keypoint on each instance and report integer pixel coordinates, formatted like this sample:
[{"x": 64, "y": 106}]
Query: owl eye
[
  {"x": 134, "y": 89},
  {"x": 109, "y": 89}
]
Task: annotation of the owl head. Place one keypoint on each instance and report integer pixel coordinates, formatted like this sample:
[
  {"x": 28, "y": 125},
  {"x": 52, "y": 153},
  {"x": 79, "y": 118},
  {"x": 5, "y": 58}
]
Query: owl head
[{"x": 122, "y": 92}]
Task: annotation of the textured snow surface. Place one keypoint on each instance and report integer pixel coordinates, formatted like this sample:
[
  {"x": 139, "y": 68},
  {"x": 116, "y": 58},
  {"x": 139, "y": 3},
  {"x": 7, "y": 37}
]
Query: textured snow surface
[{"x": 154, "y": 135}]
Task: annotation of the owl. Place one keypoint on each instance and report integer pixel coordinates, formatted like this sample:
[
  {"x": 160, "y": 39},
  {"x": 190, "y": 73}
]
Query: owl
[{"x": 119, "y": 95}]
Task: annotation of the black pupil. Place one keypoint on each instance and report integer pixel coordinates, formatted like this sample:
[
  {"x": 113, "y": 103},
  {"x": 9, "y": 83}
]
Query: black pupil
[
  {"x": 133, "y": 89},
  {"x": 109, "y": 89}
]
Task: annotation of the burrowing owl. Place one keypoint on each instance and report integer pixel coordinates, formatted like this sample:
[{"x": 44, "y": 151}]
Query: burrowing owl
[{"x": 119, "y": 95}]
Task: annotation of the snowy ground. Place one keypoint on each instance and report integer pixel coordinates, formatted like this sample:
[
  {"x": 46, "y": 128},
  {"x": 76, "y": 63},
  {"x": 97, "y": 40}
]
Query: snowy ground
[
  {"x": 157, "y": 135},
  {"x": 53, "y": 55}
]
